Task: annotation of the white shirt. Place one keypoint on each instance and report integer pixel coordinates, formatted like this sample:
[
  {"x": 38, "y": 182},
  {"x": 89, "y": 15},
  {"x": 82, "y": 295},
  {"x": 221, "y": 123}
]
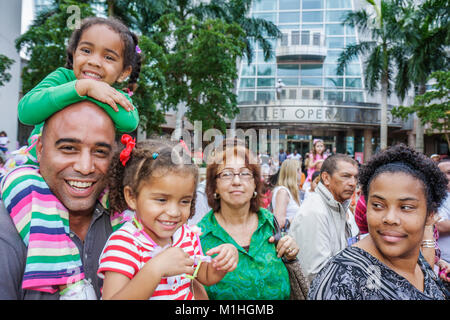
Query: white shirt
[
  {"x": 292, "y": 207},
  {"x": 444, "y": 239}
]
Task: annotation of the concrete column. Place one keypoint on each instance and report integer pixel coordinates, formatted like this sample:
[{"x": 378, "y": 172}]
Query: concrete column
[
  {"x": 368, "y": 133},
  {"x": 411, "y": 139}
]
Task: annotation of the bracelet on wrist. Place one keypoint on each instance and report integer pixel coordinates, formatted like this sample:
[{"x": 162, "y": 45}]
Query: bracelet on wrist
[{"x": 428, "y": 244}]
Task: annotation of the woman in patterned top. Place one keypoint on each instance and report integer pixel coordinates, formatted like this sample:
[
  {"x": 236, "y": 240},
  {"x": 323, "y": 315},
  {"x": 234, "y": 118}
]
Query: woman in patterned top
[
  {"x": 403, "y": 189},
  {"x": 234, "y": 193}
]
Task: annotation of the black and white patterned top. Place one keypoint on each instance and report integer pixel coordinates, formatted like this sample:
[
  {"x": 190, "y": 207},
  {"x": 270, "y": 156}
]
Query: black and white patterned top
[{"x": 354, "y": 274}]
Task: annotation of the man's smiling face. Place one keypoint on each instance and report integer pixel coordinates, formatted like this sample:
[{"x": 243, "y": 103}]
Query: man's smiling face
[{"x": 75, "y": 152}]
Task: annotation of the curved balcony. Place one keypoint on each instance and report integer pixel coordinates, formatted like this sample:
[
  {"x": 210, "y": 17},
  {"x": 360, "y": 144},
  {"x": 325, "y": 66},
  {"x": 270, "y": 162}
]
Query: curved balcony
[{"x": 296, "y": 46}]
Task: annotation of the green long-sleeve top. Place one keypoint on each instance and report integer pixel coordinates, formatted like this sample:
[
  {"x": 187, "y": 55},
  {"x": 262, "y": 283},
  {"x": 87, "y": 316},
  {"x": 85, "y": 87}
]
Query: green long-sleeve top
[{"x": 57, "y": 91}]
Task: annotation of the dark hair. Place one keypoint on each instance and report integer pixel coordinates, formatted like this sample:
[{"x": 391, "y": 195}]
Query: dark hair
[
  {"x": 314, "y": 175},
  {"x": 401, "y": 158},
  {"x": 330, "y": 164},
  {"x": 142, "y": 165},
  {"x": 233, "y": 148},
  {"x": 444, "y": 160},
  {"x": 130, "y": 40}
]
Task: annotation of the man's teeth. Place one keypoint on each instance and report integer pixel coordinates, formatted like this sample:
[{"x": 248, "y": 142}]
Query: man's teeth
[{"x": 79, "y": 184}]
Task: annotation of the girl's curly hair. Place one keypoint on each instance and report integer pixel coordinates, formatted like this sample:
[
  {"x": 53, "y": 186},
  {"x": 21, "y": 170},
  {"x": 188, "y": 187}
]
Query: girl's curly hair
[
  {"x": 401, "y": 158},
  {"x": 142, "y": 165}
]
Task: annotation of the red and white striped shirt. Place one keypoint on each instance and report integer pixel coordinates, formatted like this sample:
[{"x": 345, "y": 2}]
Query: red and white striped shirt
[{"x": 127, "y": 250}]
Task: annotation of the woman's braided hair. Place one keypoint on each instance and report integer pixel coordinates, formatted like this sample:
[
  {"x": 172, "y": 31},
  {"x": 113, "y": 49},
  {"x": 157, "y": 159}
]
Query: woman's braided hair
[
  {"x": 142, "y": 165},
  {"x": 131, "y": 56},
  {"x": 401, "y": 158}
]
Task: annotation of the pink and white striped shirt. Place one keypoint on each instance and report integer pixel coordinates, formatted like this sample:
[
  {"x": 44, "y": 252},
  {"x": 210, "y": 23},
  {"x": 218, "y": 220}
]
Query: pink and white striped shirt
[{"x": 127, "y": 251}]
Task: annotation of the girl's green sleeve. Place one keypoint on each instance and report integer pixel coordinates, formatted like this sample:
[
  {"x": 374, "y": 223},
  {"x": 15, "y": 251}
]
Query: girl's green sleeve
[
  {"x": 57, "y": 91},
  {"x": 52, "y": 94}
]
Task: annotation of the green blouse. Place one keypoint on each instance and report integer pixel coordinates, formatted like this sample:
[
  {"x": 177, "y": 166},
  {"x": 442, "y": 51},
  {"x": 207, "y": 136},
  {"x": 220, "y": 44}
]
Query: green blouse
[{"x": 260, "y": 274}]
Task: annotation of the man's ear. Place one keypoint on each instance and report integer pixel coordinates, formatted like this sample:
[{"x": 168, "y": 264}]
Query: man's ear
[
  {"x": 325, "y": 178},
  {"x": 130, "y": 198},
  {"x": 39, "y": 147}
]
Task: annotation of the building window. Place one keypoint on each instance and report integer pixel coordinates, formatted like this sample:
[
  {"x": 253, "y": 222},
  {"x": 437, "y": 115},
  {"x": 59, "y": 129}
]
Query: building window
[
  {"x": 336, "y": 16},
  {"x": 305, "y": 37},
  {"x": 352, "y": 70},
  {"x": 333, "y": 95},
  {"x": 265, "y": 95},
  {"x": 339, "y": 4},
  {"x": 284, "y": 39},
  {"x": 312, "y": 16},
  {"x": 288, "y": 17},
  {"x": 264, "y": 5},
  {"x": 354, "y": 96},
  {"x": 353, "y": 83},
  {"x": 288, "y": 70},
  {"x": 335, "y": 42},
  {"x": 334, "y": 82},
  {"x": 266, "y": 16},
  {"x": 311, "y": 82},
  {"x": 266, "y": 70},
  {"x": 334, "y": 29},
  {"x": 312, "y": 4},
  {"x": 290, "y": 81},
  {"x": 266, "y": 82},
  {"x": 295, "y": 38},
  {"x": 289, "y": 4},
  {"x": 246, "y": 96},
  {"x": 305, "y": 94},
  {"x": 316, "y": 94},
  {"x": 260, "y": 58},
  {"x": 311, "y": 70},
  {"x": 316, "y": 39},
  {"x": 247, "y": 83},
  {"x": 247, "y": 70},
  {"x": 331, "y": 70}
]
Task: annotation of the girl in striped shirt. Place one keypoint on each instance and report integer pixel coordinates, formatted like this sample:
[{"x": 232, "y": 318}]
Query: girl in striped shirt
[{"x": 155, "y": 255}]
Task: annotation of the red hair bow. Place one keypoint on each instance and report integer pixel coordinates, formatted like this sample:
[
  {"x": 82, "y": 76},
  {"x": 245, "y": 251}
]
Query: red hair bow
[{"x": 129, "y": 144}]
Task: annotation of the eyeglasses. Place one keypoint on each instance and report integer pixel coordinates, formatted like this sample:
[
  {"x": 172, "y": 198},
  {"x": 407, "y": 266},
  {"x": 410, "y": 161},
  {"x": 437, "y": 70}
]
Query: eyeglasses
[{"x": 228, "y": 175}]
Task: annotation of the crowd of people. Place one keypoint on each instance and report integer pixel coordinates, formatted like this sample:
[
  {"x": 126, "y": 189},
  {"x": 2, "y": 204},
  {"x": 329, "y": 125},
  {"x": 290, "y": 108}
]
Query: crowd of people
[{"x": 88, "y": 217}]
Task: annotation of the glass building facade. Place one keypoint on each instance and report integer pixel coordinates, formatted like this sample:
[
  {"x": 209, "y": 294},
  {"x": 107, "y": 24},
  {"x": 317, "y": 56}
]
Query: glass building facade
[
  {"x": 307, "y": 23},
  {"x": 314, "y": 100}
]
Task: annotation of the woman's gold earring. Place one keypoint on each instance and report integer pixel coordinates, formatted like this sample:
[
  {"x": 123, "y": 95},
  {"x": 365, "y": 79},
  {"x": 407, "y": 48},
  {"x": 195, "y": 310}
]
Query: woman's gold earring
[
  {"x": 255, "y": 194},
  {"x": 216, "y": 196}
]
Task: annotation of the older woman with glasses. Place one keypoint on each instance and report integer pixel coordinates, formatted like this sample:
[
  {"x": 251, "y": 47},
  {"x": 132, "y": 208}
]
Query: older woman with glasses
[{"x": 233, "y": 189}]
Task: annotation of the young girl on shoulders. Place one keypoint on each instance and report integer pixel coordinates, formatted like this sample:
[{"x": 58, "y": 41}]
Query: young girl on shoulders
[
  {"x": 316, "y": 157},
  {"x": 101, "y": 53},
  {"x": 155, "y": 255}
]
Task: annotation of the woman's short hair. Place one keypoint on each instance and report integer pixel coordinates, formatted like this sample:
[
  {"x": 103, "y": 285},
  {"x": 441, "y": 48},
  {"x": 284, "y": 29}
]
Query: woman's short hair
[
  {"x": 401, "y": 158},
  {"x": 233, "y": 148}
]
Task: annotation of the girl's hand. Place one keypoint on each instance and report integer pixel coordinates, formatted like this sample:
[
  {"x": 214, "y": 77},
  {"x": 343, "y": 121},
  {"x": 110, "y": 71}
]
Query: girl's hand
[
  {"x": 102, "y": 92},
  {"x": 227, "y": 257},
  {"x": 173, "y": 261},
  {"x": 286, "y": 246}
]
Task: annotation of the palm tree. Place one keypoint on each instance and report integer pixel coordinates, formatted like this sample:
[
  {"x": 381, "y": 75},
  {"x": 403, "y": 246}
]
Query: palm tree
[
  {"x": 426, "y": 30},
  {"x": 380, "y": 52}
]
